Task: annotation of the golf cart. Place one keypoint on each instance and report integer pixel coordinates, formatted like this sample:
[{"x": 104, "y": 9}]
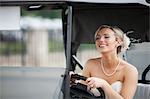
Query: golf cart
[{"x": 80, "y": 20}]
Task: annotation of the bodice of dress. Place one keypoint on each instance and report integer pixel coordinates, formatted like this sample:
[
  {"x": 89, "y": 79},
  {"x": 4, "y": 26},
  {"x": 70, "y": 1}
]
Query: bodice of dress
[{"x": 117, "y": 86}]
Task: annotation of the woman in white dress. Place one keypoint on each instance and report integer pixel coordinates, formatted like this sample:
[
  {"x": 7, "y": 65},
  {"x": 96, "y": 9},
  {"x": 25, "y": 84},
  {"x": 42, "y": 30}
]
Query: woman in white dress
[{"x": 115, "y": 76}]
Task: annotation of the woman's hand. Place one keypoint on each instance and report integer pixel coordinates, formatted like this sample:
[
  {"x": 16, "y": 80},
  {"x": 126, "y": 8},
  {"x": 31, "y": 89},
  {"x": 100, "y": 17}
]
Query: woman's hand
[
  {"x": 94, "y": 82},
  {"x": 72, "y": 81}
]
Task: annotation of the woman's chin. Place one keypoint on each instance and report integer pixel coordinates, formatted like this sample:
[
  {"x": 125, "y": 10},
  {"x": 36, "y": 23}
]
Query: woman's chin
[{"x": 103, "y": 51}]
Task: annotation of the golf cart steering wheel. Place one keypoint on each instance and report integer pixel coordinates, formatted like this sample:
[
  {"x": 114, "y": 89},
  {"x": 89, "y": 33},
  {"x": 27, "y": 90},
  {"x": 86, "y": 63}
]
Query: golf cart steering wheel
[{"x": 79, "y": 91}]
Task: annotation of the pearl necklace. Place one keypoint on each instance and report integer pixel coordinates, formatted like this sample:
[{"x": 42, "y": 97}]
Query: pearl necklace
[{"x": 112, "y": 72}]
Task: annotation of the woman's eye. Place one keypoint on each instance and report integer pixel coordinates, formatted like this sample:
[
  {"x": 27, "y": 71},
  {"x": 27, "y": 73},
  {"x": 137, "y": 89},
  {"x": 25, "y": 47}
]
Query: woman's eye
[
  {"x": 106, "y": 37},
  {"x": 97, "y": 38}
]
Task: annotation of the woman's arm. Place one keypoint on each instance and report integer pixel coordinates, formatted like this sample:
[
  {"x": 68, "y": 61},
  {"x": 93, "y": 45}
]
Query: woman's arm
[{"x": 130, "y": 82}]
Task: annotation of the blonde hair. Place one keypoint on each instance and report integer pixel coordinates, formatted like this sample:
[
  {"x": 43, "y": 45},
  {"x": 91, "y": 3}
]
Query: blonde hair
[{"x": 118, "y": 32}]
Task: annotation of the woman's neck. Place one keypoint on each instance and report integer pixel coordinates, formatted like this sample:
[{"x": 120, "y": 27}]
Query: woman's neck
[{"x": 110, "y": 60}]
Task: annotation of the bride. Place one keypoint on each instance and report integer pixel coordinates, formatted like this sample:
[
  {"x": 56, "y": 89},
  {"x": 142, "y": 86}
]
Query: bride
[{"x": 115, "y": 76}]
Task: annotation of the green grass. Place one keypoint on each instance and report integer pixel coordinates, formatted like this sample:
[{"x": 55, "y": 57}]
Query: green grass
[
  {"x": 55, "y": 46},
  {"x": 17, "y": 48},
  {"x": 87, "y": 46},
  {"x": 11, "y": 48}
]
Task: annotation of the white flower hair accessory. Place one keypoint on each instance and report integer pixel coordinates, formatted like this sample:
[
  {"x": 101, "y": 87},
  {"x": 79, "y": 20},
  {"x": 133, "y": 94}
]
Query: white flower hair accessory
[{"x": 126, "y": 43}]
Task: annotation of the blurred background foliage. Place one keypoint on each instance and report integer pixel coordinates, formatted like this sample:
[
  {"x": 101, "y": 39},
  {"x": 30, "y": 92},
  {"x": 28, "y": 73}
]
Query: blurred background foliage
[
  {"x": 11, "y": 47},
  {"x": 46, "y": 13}
]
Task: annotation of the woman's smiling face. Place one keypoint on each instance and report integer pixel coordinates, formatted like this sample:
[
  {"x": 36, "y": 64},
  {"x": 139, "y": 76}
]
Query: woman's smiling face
[{"x": 106, "y": 40}]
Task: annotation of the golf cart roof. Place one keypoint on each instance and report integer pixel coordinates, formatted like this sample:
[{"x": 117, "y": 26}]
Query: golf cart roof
[{"x": 144, "y": 2}]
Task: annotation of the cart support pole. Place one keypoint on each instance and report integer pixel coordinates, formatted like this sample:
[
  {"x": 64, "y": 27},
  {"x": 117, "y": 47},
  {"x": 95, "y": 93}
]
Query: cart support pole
[{"x": 68, "y": 52}]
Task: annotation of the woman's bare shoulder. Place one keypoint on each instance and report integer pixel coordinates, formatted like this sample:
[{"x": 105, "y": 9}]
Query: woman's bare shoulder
[
  {"x": 129, "y": 68},
  {"x": 92, "y": 61},
  {"x": 88, "y": 68}
]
